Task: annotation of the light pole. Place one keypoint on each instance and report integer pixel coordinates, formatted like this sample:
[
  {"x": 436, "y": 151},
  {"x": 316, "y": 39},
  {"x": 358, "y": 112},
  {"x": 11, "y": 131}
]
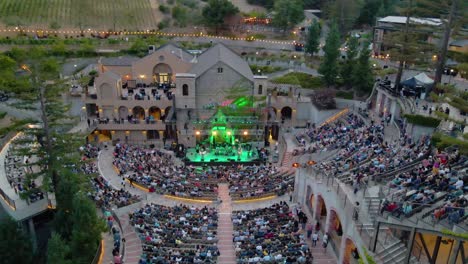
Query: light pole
[{"x": 451, "y": 74}]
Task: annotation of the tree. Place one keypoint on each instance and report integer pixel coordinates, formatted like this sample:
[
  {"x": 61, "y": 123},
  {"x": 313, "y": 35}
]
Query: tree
[
  {"x": 363, "y": 77},
  {"x": 329, "y": 66},
  {"x": 58, "y": 250},
  {"x": 87, "y": 229},
  {"x": 313, "y": 38},
  {"x": 15, "y": 246},
  {"x": 454, "y": 17},
  {"x": 216, "y": 11},
  {"x": 368, "y": 12},
  {"x": 287, "y": 13},
  {"x": 348, "y": 66},
  {"x": 344, "y": 12}
]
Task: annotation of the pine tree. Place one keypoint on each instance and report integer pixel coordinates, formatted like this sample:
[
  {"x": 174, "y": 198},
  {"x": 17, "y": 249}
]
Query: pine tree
[
  {"x": 454, "y": 17},
  {"x": 57, "y": 250},
  {"x": 329, "y": 66},
  {"x": 15, "y": 246},
  {"x": 288, "y": 13},
  {"x": 363, "y": 77},
  {"x": 313, "y": 38},
  {"x": 87, "y": 229},
  {"x": 348, "y": 66}
]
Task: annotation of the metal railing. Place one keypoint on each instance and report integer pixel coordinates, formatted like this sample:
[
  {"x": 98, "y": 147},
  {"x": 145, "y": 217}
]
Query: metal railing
[
  {"x": 97, "y": 257},
  {"x": 10, "y": 202}
]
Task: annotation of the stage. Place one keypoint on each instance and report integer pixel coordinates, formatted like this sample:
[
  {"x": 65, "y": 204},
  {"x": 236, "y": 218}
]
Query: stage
[{"x": 221, "y": 158}]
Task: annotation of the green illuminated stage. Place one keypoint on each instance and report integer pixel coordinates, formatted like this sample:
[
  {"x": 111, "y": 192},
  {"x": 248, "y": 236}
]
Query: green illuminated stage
[{"x": 195, "y": 157}]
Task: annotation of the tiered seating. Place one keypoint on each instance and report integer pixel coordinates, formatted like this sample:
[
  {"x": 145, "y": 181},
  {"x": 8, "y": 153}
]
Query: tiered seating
[
  {"x": 104, "y": 195},
  {"x": 269, "y": 235},
  {"x": 179, "y": 234},
  {"x": 158, "y": 172},
  {"x": 258, "y": 181},
  {"x": 17, "y": 167},
  {"x": 430, "y": 185}
]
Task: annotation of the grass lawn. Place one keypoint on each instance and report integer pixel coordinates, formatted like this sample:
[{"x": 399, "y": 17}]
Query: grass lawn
[
  {"x": 298, "y": 78},
  {"x": 73, "y": 14}
]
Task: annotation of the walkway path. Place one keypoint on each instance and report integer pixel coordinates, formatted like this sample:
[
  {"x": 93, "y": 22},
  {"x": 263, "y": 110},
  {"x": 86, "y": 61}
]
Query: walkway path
[{"x": 225, "y": 227}]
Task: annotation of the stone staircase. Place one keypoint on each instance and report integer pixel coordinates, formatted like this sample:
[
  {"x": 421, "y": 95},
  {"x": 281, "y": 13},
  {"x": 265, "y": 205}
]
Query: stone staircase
[
  {"x": 225, "y": 227},
  {"x": 132, "y": 245}
]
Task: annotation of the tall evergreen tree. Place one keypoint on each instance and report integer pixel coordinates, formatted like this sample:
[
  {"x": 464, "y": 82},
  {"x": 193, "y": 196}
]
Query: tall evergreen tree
[
  {"x": 216, "y": 11},
  {"x": 329, "y": 66},
  {"x": 363, "y": 78},
  {"x": 348, "y": 66},
  {"x": 15, "y": 246},
  {"x": 313, "y": 38},
  {"x": 87, "y": 229},
  {"x": 288, "y": 13},
  {"x": 454, "y": 18},
  {"x": 58, "y": 250}
]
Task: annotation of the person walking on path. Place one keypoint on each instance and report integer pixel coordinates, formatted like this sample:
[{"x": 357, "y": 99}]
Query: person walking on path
[
  {"x": 325, "y": 242},
  {"x": 310, "y": 228},
  {"x": 314, "y": 239}
]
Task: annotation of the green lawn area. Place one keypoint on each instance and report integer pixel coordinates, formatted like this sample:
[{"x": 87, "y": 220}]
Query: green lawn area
[
  {"x": 298, "y": 78},
  {"x": 71, "y": 14}
]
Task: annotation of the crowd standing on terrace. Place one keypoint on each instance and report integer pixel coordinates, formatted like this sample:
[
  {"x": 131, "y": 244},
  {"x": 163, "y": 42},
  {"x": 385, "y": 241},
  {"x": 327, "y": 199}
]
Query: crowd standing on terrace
[{"x": 179, "y": 234}]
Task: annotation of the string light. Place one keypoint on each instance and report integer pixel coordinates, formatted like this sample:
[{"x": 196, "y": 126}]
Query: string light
[{"x": 147, "y": 32}]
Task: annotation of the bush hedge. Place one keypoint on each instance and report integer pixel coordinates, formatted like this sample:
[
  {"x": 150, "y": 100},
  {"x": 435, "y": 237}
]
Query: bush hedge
[
  {"x": 298, "y": 78},
  {"x": 442, "y": 141},
  {"x": 422, "y": 120}
]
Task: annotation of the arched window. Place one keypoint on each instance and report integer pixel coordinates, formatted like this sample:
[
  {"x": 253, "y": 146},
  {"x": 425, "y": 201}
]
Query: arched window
[{"x": 185, "y": 90}]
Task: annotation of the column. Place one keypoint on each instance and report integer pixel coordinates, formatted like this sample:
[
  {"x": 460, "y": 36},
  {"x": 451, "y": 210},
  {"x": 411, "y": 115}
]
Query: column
[
  {"x": 32, "y": 234},
  {"x": 378, "y": 102},
  {"x": 392, "y": 109}
]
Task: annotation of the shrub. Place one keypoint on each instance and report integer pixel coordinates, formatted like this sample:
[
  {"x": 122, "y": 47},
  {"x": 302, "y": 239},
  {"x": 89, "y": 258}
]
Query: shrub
[
  {"x": 442, "y": 141},
  {"x": 163, "y": 24},
  {"x": 164, "y": 9},
  {"x": 345, "y": 94},
  {"x": 422, "y": 120},
  {"x": 2, "y": 115},
  {"x": 179, "y": 13}
]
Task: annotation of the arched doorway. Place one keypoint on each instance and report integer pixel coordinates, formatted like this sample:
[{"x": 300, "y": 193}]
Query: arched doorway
[
  {"x": 286, "y": 112},
  {"x": 335, "y": 230},
  {"x": 321, "y": 212},
  {"x": 155, "y": 113},
  {"x": 138, "y": 112},
  {"x": 123, "y": 112},
  {"x": 162, "y": 73},
  {"x": 351, "y": 254}
]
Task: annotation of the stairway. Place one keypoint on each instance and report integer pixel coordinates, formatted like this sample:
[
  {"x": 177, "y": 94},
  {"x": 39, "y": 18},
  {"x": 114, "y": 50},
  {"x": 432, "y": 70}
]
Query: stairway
[
  {"x": 132, "y": 246},
  {"x": 372, "y": 205},
  {"x": 287, "y": 160},
  {"x": 320, "y": 256},
  {"x": 225, "y": 227}
]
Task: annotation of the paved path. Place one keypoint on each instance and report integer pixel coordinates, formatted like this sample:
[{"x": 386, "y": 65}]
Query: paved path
[{"x": 225, "y": 227}]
